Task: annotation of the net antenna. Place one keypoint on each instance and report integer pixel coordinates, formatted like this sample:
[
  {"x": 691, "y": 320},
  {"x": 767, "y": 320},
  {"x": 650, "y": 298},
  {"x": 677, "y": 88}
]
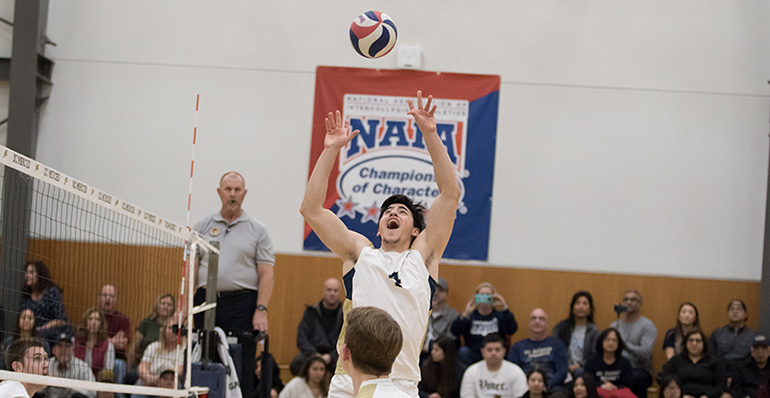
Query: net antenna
[{"x": 86, "y": 238}]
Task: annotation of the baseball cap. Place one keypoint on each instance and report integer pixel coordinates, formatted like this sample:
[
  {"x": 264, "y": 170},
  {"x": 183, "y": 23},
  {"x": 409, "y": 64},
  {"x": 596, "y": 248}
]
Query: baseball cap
[
  {"x": 760, "y": 340},
  {"x": 63, "y": 337}
]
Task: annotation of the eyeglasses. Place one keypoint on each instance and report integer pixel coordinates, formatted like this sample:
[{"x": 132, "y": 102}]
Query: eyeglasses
[{"x": 630, "y": 299}]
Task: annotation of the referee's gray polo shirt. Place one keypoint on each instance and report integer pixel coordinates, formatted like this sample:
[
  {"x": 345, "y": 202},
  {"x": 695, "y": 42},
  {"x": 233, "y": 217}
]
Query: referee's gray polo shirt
[{"x": 242, "y": 245}]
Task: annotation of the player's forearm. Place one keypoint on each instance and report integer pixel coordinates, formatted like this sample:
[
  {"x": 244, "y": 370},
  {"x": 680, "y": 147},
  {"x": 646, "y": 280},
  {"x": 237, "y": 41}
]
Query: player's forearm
[
  {"x": 443, "y": 168},
  {"x": 315, "y": 192}
]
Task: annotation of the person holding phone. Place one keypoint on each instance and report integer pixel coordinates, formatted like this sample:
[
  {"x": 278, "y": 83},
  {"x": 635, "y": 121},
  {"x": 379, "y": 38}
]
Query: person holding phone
[{"x": 486, "y": 313}]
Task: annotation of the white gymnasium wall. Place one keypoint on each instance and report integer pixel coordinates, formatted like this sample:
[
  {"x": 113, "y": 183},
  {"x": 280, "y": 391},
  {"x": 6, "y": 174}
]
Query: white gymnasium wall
[{"x": 632, "y": 136}]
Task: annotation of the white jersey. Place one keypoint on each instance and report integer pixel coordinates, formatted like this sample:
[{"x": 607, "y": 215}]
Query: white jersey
[
  {"x": 507, "y": 382},
  {"x": 380, "y": 388},
  {"x": 12, "y": 389},
  {"x": 398, "y": 283}
]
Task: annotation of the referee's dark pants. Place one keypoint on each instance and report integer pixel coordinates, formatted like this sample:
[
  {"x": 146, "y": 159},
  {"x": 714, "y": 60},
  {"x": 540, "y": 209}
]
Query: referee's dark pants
[{"x": 235, "y": 309}]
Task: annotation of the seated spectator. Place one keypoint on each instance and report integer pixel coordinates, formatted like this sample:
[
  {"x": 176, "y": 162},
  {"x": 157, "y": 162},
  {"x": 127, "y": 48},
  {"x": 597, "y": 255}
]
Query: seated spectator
[
  {"x": 686, "y": 320},
  {"x": 752, "y": 372},
  {"x": 578, "y": 332},
  {"x": 24, "y": 356},
  {"x": 638, "y": 334},
  {"x": 312, "y": 381},
  {"x": 25, "y": 329},
  {"x": 608, "y": 365},
  {"x": 537, "y": 381},
  {"x": 160, "y": 356},
  {"x": 585, "y": 387},
  {"x": 91, "y": 343},
  {"x": 733, "y": 341},
  {"x": 486, "y": 313},
  {"x": 277, "y": 382},
  {"x": 700, "y": 373},
  {"x": 65, "y": 364},
  {"x": 441, "y": 318},
  {"x": 493, "y": 377},
  {"x": 41, "y": 295},
  {"x": 670, "y": 387},
  {"x": 442, "y": 371},
  {"x": 541, "y": 351},
  {"x": 118, "y": 328},
  {"x": 149, "y": 329},
  {"x": 319, "y": 328}
]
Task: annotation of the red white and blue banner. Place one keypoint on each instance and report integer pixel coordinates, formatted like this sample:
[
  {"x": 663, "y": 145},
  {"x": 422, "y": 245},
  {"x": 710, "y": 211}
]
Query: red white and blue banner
[{"x": 389, "y": 155}]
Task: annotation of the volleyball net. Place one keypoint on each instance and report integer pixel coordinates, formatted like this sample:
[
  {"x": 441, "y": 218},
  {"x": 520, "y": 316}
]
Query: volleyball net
[{"x": 102, "y": 284}]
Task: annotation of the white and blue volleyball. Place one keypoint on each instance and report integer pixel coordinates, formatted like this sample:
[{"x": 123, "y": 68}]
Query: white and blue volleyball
[{"x": 373, "y": 34}]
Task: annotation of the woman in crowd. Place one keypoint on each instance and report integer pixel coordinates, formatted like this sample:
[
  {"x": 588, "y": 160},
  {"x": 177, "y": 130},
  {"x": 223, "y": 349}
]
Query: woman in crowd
[
  {"x": 474, "y": 323},
  {"x": 669, "y": 387},
  {"x": 537, "y": 381},
  {"x": 44, "y": 298},
  {"x": 687, "y": 320},
  {"x": 700, "y": 373},
  {"x": 442, "y": 372},
  {"x": 160, "y": 356},
  {"x": 92, "y": 344},
  {"x": 584, "y": 387},
  {"x": 608, "y": 365},
  {"x": 25, "y": 329},
  {"x": 578, "y": 332},
  {"x": 149, "y": 331},
  {"x": 312, "y": 382}
]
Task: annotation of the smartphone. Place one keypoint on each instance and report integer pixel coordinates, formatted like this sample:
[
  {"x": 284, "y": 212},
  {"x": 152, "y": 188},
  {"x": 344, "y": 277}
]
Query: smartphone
[{"x": 483, "y": 299}]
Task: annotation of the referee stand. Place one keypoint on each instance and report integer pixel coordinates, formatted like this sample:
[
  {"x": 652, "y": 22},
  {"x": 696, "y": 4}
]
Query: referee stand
[{"x": 242, "y": 344}]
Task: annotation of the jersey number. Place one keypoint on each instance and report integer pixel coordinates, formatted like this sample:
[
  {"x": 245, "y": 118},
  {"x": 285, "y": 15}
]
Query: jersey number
[{"x": 395, "y": 278}]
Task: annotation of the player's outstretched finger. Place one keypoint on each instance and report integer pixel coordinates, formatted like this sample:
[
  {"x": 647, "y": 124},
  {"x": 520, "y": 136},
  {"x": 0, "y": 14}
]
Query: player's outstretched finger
[
  {"x": 430, "y": 101},
  {"x": 433, "y": 109},
  {"x": 339, "y": 118},
  {"x": 419, "y": 99}
]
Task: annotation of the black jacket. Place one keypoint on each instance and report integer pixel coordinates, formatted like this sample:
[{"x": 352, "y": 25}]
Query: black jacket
[
  {"x": 311, "y": 336},
  {"x": 747, "y": 377},
  {"x": 705, "y": 377}
]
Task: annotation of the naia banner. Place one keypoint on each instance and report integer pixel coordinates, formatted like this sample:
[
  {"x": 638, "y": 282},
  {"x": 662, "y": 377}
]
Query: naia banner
[{"x": 389, "y": 155}]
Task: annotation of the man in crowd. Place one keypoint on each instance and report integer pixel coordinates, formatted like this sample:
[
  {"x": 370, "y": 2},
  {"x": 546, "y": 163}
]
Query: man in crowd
[
  {"x": 638, "y": 334},
  {"x": 734, "y": 340},
  {"x": 246, "y": 259},
  {"x": 441, "y": 317},
  {"x": 24, "y": 356},
  {"x": 372, "y": 341},
  {"x": 118, "y": 328},
  {"x": 493, "y": 376},
  {"x": 752, "y": 372},
  {"x": 65, "y": 364},
  {"x": 541, "y": 351},
  {"x": 319, "y": 328}
]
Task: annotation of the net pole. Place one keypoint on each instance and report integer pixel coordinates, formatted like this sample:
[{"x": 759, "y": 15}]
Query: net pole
[
  {"x": 187, "y": 307},
  {"x": 191, "y": 285}
]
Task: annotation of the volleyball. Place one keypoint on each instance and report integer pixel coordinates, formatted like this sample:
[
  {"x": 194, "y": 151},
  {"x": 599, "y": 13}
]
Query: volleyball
[{"x": 373, "y": 34}]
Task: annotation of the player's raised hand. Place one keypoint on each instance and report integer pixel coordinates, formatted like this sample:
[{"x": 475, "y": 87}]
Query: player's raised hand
[
  {"x": 423, "y": 115},
  {"x": 337, "y": 132}
]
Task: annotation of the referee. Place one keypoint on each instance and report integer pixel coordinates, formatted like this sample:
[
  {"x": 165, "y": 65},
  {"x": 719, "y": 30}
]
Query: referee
[{"x": 246, "y": 260}]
